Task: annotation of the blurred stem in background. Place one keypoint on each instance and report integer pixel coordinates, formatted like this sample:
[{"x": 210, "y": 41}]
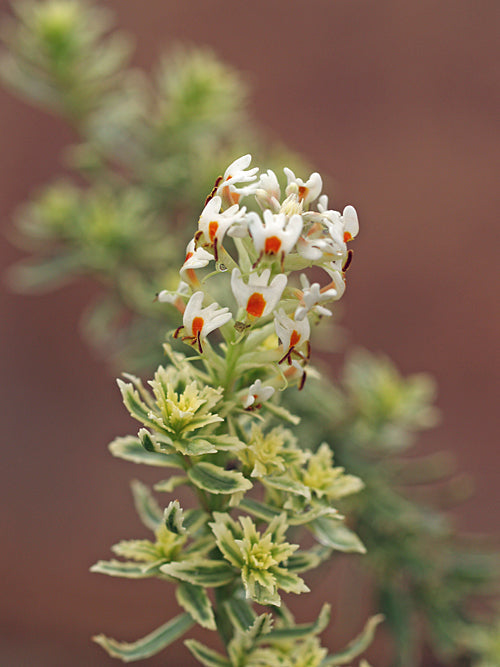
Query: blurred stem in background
[{"x": 148, "y": 151}]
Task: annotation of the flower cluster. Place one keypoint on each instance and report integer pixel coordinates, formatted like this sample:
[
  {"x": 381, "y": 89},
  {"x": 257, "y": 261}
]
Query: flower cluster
[{"x": 267, "y": 252}]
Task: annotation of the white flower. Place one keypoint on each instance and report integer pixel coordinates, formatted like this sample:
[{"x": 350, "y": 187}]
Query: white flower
[
  {"x": 268, "y": 193},
  {"x": 196, "y": 258},
  {"x": 257, "y": 297},
  {"x": 351, "y": 224},
  {"x": 292, "y": 333},
  {"x": 335, "y": 272},
  {"x": 311, "y": 298},
  {"x": 213, "y": 225},
  {"x": 275, "y": 236},
  {"x": 256, "y": 395},
  {"x": 308, "y": 191},
  {"x": 198, "y": 322},
  {"x": 175, "y": 298},
  {"x": 315, "y": 249},
  {"x": 237, "y": 172}
]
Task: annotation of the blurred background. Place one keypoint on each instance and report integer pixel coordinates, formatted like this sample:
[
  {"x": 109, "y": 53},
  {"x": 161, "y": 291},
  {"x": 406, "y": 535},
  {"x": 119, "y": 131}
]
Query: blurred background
[{"x": 398, "y": 104}]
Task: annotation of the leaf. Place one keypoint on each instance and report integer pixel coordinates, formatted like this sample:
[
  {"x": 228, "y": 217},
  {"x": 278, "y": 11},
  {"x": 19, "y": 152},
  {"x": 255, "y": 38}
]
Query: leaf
[
  {"x": 260, "y": 510},
  {"x": 301, "y": 631},
  {"x": 240, "y": 612},
  {"x": 282, "y": 413},
  {"x": 301, "y": 561},
  {"x": 170, "y": 484},
  {"x": 134, "y": 404},
  {"x": 146, "y": 506},
  {"x": 336, "y": 535},
  {"x": 215, "y": 479},
  {"x": 117, "y": 568},
  {"x": 205, "y": 655},
  {"x": 174, "y": 518},
  {"x": 130, "y": 449},
  {"x": 358, "y": 645},
  {"x": 285, "y": 483},
  {"x": 196, "y": 602},
  {"x": 149, "y": 645},
  {"x": 200, "y": 572}
]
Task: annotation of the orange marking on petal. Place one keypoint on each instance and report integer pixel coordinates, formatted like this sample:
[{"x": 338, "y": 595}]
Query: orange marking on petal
[
  {"x": 303, "y": 192},
  {"x": 347, "y": 237},
  {"x": 197, "y": 325},
  {"x": 272, "y": 245},
  {"x": 188, "y": 256},
  {"x": 192, "y": 277},
  {"x": 256, "y": 304},
  {"x": 212, "y": 229},
  {"x": 294, "y": 338}
]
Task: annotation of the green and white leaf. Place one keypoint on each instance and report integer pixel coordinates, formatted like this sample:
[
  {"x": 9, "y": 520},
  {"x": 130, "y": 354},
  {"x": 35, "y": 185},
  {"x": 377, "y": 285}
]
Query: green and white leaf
[
  {"x": 135, "y": 405},
  {"x": 205, "y": 655},
  {"x": 174, "y": 518},
  {"x": 196, "y": 602},
  {"x": 215, "y": 479},
  {"x": 130, "y": 449},
  {"x": 170, "y": 484},
  {"x": 285, "y": 483},
  {"x": 334, "y": 534},
  {"x": 117, "y": 568},
  {"x": 357, "y": 646},
  {"x": 301, "y": 631},
  {"x": 240, "y": 613},
  {"x": 146, "y": 506},
  {"x": 200, "y": 572},
  {"x": 149, "y": 645},
  {"x": 282, "y": 413}
]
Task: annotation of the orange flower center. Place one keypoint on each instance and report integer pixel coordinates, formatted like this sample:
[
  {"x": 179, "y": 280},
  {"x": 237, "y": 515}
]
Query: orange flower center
[
  {"x": 347, "y": 237},
  {"x": 294, "y": 338},
  {"x": 256, "y": 304},
  {"x": 197, "y": 325},
  {"x": 212, "y": 230},
  {"x": 303, "y": 192},
  {"x": 272, "y": 246}
]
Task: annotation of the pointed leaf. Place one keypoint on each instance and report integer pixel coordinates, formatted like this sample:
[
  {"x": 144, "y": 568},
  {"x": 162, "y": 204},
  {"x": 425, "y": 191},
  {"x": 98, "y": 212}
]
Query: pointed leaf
[
  {"x": 170, "y": 484},
  {"x": 149, "y": 645},
  {"x": 358, "y": 645},
  {"x": 205, "y": 655},
  {"x": 200, "y": 572},
  {"x": 284, "y": 483},
  {"x": 174, "y": 518},
  {"x": 196, "y": 602},
  {"x": 240, "y": 612},
  {"x": 117, "y": 568},
  {"x": 334, "y": 534},
  {"x": 302, "y": 631},
  {"x": 215, "y": 479},
  {"x": 282, "y": 413},
  {"x": 260, "y": 510},
  {"x": 301, "y": 561},
  {"x": 130, "y": 449},
  {"x": 135, "y": 405},
  {"x": 146, "y": 506}
]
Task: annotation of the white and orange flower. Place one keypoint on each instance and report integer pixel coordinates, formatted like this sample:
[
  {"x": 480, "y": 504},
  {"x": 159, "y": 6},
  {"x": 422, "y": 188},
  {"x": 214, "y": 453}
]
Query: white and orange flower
[
  {"x": 307, "y": 191},
  {"x": 196, "y": 258},
  {"x": 256, "y": 395},
  {"x": 311, "y": 298},
  {"x": 257, "y": 297},
  {"x": 198, "y": 322},
  {"x": 276, "y": 236},
  {"x": 292, "y": 333},
  {"x": 237, "y": 173},
  {"x": 213, "y": 224}
]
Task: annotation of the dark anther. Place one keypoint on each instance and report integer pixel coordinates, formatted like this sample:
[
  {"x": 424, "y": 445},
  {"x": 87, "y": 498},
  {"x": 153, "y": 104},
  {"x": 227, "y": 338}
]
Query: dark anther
[{"x": 348, "y": 261}]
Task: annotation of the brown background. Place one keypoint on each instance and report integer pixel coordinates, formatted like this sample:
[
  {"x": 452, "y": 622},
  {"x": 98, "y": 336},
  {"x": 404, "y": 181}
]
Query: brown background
[{"x": 398, "y": 102}]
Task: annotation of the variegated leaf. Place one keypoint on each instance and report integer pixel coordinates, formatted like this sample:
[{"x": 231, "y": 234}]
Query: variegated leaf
[
  {"x": 357, "y": 646},
  {"x": 215, "y": 479},
  {"x": 146, "y": 506},
  {"x": 117, "y": 568},
  {"x": 200, "y": 572},
  {"x": 196, "y": 602},
  {"x": 336, "y": 535},
  {"x": 149, "y": 645},
  {"x": 130, "y": 449},
  {"x": 205, "y": 655}
]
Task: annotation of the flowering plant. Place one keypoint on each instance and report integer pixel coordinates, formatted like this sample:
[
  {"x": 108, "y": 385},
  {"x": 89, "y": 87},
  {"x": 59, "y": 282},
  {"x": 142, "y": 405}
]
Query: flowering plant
[{"x": 215, "y": 415}]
